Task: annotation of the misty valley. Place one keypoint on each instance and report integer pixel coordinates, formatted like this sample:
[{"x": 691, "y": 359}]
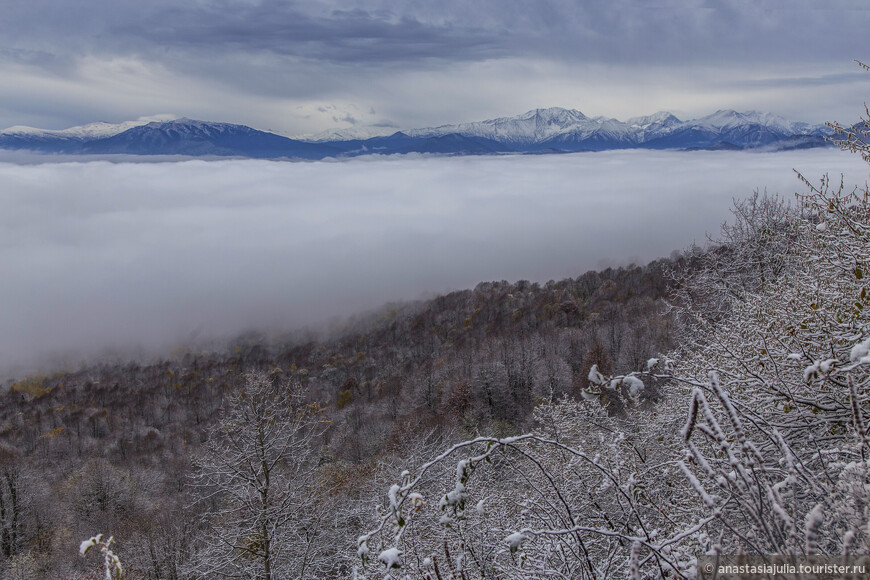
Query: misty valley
[{"x": 513, "y": 366}]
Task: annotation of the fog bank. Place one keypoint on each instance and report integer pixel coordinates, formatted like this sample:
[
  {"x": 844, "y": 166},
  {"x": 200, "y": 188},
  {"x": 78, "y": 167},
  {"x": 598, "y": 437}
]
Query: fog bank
[{"x": 99, "y": 254}]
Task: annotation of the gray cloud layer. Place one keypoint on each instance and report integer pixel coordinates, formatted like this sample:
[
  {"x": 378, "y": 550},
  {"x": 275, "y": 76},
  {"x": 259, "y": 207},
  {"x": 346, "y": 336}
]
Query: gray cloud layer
[
  {"x": 102, "y": 255},
  {"x": 375, "y": 32},
  {"x": 273, "y": 63}
]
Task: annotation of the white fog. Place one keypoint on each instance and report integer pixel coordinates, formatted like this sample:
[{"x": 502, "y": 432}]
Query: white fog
[{"x": 124, "y": 255}]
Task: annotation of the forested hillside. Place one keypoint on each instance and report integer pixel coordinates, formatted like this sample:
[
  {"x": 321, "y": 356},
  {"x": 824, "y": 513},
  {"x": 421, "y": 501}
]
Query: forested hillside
[
  {"x": 618, "y": 424},
  {"x": 112, "y": 447}
]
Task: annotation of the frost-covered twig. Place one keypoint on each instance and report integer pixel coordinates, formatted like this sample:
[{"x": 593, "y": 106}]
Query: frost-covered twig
[{"x": 111, "y": 563}]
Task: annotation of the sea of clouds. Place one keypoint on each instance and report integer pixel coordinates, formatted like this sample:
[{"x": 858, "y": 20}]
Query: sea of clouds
[{"x": 125, "y": 256}]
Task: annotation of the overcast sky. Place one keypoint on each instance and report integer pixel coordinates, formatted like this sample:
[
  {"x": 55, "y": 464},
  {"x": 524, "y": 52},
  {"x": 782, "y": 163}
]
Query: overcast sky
[{"x": 302, "y": 67}]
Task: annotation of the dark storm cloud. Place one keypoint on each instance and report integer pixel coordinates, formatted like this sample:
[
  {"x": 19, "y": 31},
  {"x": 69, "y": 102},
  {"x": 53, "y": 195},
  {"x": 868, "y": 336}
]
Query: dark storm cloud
[
  {"x": 355, "y": 36},
  {"x": 611, "y": 31},
  {"x": 170, "y": 30},
  {"x": 375, "y": 33}
]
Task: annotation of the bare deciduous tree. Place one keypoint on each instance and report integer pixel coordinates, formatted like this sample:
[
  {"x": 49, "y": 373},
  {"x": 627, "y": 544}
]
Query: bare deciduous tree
[{"x": 258, "y": 474}]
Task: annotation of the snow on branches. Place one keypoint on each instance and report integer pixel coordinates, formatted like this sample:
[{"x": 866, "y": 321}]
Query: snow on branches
[
  {"x": 778, "y": 430},
  {"x": 570, "y": 498},
  {"x": 112, "y": 568},
  {"x": 774, "y": 372}
]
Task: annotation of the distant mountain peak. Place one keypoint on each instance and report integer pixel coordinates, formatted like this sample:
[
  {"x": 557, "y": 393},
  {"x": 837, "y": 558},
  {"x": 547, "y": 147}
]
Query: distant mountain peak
[
  {"x": 659, "y": 118},
  {"x": 729, "y": 119},
  {"x": 352, "y": 133},
  {"x": 21, "y": 130},
  {"x": 555, "y": 113},
  {"x": 532, "y": 126},
  {"x": 542, "y": 130},
  {"x": 95, "y": 130},
  {"x": 188, "y": 123}
]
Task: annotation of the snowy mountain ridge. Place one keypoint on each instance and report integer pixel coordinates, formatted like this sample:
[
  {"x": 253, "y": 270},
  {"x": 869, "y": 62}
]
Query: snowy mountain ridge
[
  {"x": 534, "y": 126},
  {"x": 351, "y": 133},
  {"x": 551, "y": 130},
  {"x": 539, "y": 126},
  {"x": 95, "y": 130}
]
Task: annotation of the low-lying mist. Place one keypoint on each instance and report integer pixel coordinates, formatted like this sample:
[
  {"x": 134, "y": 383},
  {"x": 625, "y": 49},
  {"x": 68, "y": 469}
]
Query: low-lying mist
[{"x": 129, "y": 257}]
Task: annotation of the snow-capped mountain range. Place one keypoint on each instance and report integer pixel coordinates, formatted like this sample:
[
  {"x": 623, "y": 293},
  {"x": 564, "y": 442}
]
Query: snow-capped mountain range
[
  {"x": 82, "y": 133},
  {"x": 557, "y": 126},
  {"x": 552, "y": 130},
  {"x": 543, "y": 125}
]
